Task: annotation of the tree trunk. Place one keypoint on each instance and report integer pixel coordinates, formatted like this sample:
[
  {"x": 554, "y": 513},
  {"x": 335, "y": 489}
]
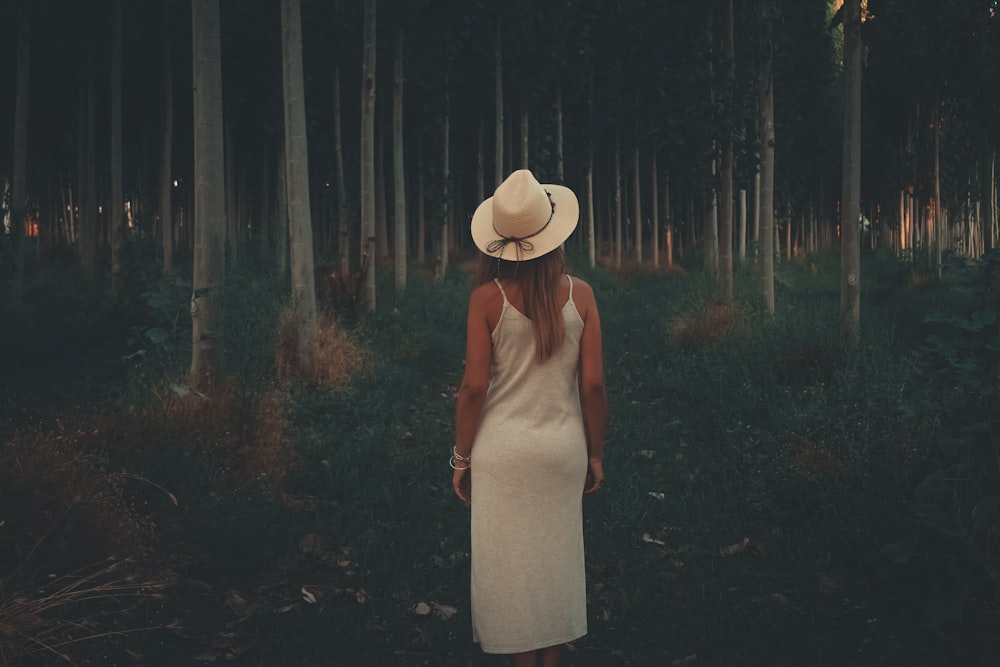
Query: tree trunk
[
  {"x": 442, "y": 263},
  {"x": 637, "y": 177},
  {"x": 668, "y": 222},
  {"x": 560, "y": 165},
  {"x": 618, "y": 203},
  {"x": 381, "y": 216},
  {"x": 654, "y": 205},
  {"x": 19, "y": 181},
  {"x": 711, "y": 228},
  {"x": 938, "y": 217},
  {"x": 743, "y": 225},
  {"x": 297, "y": 181},
  {"x": 766, "y": 200},
  {"x": 343, "y": 230},
  {"x": 166, "y": 166},
  {"x": 987, "y": 223},
  {"x": 591, "y": 241},
  {"x": 498, "y": 75},
  {"x": 368, "y": 157},
  {"x": 524, "y": 136},
  {"x": 117, "y": 204},
  {"x": 850, "y": 247},
  {"x": 421, "y": 199},
  {"x": 88, "y": 191},
  {"x": 726, "y": 171},
  {"x": 480, "y": 162},
  {"x": 397, "y": 161},
  {"x": 207, "y": 315}
]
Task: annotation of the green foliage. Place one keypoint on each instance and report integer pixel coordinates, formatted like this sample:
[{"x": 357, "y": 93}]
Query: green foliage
[{"x": 957, "y": 386}]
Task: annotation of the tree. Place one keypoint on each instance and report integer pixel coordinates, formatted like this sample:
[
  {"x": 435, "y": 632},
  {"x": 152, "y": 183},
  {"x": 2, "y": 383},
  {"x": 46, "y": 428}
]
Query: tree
[
  {"x": 166, "y": 165},
  {"x": 850, "y": 209},
  {"x": 297, "y": 185},
  {"x": 19, "y": 193},
  {"x": 399, "y": 180},
  {"x": 207, "y": 314},
  {"x": 726, "y": 170},
  {"x": 368, "y": 157},
  {"x": 117, "y": 200},
  {"x": 766, "y": 201}
]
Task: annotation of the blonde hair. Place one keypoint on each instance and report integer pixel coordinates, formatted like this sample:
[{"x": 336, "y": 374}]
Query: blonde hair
[{"x": 538, "y": 280}]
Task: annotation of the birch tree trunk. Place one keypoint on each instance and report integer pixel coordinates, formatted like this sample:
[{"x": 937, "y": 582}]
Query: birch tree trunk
[
  {"x": 207, "y": 315},
  {"x": 368, "y": 158},
  {"x": 117, "y": 204},
  {"x": 281, "y": 214},
  {"x": 421, "y": 198},
  {"x": 381, "y": 222},
  {"x": 166, "y": 165},
  {"x": 297, "y": 182},
  {"x": 397, "y": 160},
  {"x": 850, "y": 247},
  {"x": 766, "y": 201}
]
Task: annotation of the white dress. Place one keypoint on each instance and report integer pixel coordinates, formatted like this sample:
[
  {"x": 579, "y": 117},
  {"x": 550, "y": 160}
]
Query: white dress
[{"x": 530, "y": 464}]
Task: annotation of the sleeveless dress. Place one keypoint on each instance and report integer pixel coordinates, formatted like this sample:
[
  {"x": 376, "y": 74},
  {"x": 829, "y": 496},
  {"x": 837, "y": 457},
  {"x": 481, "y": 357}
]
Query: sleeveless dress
[{"x": 528, "y": 587}]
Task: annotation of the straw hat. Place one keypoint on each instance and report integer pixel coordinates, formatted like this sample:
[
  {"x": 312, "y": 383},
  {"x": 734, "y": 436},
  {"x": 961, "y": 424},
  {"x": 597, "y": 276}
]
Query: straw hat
[{"x": 524, "y": 219}]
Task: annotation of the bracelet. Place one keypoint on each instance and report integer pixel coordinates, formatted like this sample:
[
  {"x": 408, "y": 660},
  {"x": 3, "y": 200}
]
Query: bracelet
[
  {"x": 459, "y": 457},
  {"x": 451, "y": 462}
]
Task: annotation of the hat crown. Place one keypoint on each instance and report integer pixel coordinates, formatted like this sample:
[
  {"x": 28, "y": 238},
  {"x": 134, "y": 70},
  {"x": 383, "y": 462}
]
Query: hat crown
[{"x": 521, "y": 207}]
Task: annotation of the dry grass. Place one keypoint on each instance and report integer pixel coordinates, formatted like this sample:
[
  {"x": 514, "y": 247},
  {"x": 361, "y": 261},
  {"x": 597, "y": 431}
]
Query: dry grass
[
  {"x": 46, "y": 617},
  {"x": 339, "y": 358},
  {"x": 63, "y": 511},
  {"x": 711, "y": 323}
]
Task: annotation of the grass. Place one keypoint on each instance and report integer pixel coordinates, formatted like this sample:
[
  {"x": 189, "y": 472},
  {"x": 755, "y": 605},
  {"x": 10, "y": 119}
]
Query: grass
[{"x": 755, "y": 471}]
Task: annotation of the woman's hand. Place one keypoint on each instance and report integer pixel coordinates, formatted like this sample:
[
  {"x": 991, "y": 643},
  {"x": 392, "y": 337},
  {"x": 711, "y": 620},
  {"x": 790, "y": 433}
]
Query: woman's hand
[
  {"x": 461, "y": 481},
  {"x": 595, "y": 476}
]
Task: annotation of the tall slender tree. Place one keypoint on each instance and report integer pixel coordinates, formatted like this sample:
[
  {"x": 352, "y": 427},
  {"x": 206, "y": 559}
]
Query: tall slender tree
[
  {"x": 726, "y": 167},
  {"x": 850, "y": 209},
  {"x": 498, "y": 101},
  {"x": 399, "y": 175},
  {"x": 343, "y": 229},
  {"x": 117, "y": 205},
  {"x": 368, "y": 157},
  {"x": 297, "y": 184},
  {"x": 765, "y": 90},
  {"x": 167, "y": 154},
  {"x": 207, "y": 303},
  {"x": 19, "y": 189}
]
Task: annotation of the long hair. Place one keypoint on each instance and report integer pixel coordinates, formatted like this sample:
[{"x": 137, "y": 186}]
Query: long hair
[{"x": 538, "y": 280}]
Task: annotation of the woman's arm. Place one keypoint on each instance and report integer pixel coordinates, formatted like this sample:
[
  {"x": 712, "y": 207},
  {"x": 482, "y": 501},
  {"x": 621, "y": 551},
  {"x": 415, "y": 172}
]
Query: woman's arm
[
  {"x": 593, "y": 394},
  {"x": 475, "y": 382}
]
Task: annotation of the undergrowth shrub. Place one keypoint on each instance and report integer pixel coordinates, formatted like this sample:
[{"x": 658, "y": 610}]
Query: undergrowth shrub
[{"x": 958, "y": 387}]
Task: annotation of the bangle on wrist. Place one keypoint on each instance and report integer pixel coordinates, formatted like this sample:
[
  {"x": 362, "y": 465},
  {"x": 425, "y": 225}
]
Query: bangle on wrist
[{"x": 458, "y": 457}]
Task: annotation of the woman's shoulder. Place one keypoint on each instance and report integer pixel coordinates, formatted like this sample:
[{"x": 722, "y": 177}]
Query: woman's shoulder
[{"x": 582, "y": 289}]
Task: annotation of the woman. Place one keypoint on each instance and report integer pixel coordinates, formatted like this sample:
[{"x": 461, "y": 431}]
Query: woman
[{"x": 530, "y": 421}]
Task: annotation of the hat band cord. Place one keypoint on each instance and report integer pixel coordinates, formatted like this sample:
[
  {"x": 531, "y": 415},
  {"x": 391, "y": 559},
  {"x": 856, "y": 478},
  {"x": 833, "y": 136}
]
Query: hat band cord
[{"x": 523, "y": 244}]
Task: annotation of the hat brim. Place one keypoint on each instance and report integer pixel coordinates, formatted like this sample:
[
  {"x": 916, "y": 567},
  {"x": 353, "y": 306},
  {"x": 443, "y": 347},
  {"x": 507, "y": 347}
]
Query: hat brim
[{"x": 564, "y": 220}]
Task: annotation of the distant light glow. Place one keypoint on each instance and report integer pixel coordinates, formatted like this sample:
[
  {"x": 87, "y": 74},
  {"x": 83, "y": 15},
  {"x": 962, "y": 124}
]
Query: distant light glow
[{"x": 176, "y": 183}]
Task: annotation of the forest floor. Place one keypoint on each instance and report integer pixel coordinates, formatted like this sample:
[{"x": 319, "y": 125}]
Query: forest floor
[{"x": 760, "y": 488}]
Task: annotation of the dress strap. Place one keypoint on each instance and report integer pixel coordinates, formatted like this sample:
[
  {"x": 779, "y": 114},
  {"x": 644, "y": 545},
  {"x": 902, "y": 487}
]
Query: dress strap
[
  {"x": 570, "y": 279},
  {"x": 497, "y": 281}
]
